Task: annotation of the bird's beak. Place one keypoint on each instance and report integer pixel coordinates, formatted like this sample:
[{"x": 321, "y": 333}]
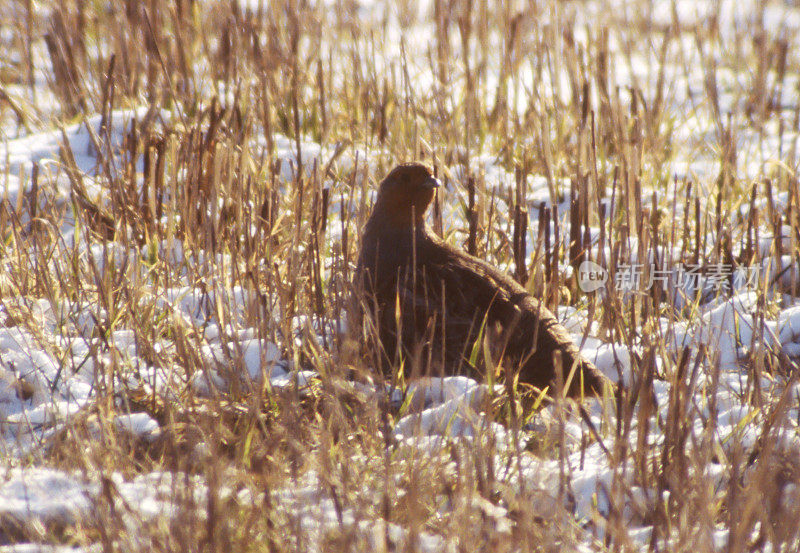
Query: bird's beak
[{"x": 431, "y": 183}]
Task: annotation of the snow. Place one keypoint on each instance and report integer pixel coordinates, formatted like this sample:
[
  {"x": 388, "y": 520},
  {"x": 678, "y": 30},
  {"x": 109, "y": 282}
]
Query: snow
[
  {"x": 42, "y": 548},
  {"x": 43, "y": 147},
  {"x": 613, "y": 360},
  {"x": 139, "y": 425},
  {"x": 45, "y": 495},
  {"x": 458, "y": 417},
  {"x": 301, "y": 379},
  {"x": 56, "y": 499},
  {"x": 48, "y": 379}
]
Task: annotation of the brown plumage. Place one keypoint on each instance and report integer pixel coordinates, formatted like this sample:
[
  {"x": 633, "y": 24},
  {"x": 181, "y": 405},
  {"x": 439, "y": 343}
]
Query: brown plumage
[{"x": 439, "y": 300}]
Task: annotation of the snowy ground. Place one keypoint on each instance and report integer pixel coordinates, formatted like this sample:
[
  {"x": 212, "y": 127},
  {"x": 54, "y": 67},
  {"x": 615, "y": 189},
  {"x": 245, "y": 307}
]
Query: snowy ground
[{"x": 49, "y": 377}]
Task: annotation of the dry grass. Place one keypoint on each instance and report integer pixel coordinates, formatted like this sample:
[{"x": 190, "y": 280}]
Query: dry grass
[{"x": 217, "y": 180}]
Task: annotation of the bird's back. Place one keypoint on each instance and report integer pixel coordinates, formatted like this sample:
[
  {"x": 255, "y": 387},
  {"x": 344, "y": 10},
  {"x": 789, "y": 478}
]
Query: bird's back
[{"x": 525, "y": 333}]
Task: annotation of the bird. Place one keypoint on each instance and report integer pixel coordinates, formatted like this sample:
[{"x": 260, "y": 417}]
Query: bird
[{"x": 432, "y": 307}]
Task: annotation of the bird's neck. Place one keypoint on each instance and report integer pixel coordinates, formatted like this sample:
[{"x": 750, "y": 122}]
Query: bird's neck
[
  {"x": 406, "y": 217},
  {"x": 397, "y": 243},
  {"x": 390, "y": 232}
]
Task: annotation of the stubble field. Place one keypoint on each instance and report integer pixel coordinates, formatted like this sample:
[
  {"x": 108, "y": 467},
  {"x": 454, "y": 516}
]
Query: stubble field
[{"x": 182, "y": 191}]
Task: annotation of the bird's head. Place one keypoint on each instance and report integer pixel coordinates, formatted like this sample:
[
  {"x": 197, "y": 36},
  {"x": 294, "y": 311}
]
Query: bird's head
[{"x": 405, "y": 194}]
